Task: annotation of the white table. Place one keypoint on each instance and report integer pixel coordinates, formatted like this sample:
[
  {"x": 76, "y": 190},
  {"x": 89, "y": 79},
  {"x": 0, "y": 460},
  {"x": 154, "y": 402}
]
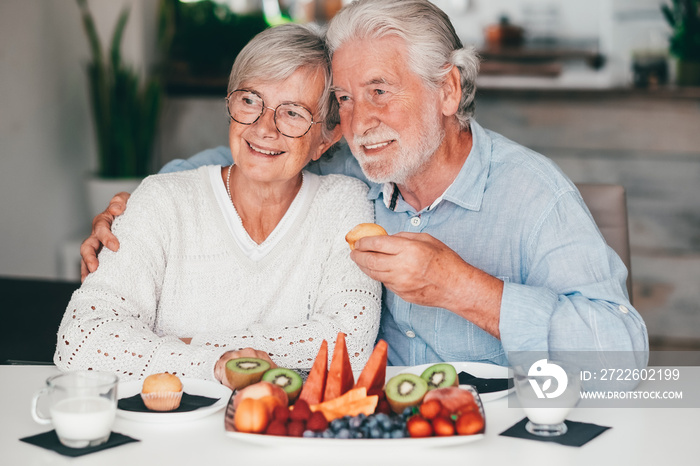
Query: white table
[{"x": 638, "y": 437}]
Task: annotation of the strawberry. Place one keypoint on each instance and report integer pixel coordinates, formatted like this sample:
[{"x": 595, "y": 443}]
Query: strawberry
[
  {"x": 383, "y": 407},
  {"x": 471, "y": 422},
  {"x": 469, "y": 407},
  {"x": 431, "y": 409},
  {"x": 317, "y": 422},
  {"x": 443, "y": 426},
  {"x": 276, "y": 427},
  {"x": 281, "y": 413},
  {"x": 296, "y": 428},
  {"x": 301, "y": 411},
  {"x": 418, "y": 426}
]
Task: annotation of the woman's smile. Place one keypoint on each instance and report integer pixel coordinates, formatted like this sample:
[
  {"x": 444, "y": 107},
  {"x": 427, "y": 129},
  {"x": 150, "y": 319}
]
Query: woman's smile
[{"x": 263, "y": 151}]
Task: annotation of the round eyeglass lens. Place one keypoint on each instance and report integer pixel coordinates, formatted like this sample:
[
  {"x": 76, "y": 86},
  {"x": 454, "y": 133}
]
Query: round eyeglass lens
[
  {"x": 293, "y": 120},
  {"x": 245, "y": 107}
]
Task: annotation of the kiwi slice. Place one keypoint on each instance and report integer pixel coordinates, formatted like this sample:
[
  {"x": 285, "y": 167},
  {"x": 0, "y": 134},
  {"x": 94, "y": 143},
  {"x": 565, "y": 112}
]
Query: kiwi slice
[
  {"x": 405, "y": 390},
  {"x": 440, "y": 375},
  {"x": 288, "y": 379},
  {"x": 242, "y": 372}
]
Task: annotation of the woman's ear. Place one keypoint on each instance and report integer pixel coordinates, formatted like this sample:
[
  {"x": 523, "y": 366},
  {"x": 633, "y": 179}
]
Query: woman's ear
[
  {"x": 451, "y": 92},
  {"x": 335, "y": 136}
]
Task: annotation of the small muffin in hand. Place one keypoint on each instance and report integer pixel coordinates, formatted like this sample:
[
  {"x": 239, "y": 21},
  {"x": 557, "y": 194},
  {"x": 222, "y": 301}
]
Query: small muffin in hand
[
  {"x": 161, "y": 392},
  {"x": 362, "y": 230}
]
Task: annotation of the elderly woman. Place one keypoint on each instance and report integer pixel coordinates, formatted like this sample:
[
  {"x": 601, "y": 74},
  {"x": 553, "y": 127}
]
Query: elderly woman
[{"x": 250, "y": 255}]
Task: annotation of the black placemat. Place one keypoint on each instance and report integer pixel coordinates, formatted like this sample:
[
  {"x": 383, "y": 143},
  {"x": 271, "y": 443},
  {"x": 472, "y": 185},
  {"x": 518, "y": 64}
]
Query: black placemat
[
  {"x": 578, "y": 433},
  {"x": 484, "y": 385},
  {"x": 188, "y": 403},
  {"x": 49, "y": 440}
]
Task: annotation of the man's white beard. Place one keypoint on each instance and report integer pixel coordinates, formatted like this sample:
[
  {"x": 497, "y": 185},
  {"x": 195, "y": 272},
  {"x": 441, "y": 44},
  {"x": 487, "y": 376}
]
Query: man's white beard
[{"x": 409, "y": 161}]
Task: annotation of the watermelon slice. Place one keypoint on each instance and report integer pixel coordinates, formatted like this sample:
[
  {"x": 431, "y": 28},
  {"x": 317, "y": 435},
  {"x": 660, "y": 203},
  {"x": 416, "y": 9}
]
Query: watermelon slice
[
  {"x": 315, "y": 385},
  {"x": 373, "y": 375},
  {"x": 340, "y": 378}
]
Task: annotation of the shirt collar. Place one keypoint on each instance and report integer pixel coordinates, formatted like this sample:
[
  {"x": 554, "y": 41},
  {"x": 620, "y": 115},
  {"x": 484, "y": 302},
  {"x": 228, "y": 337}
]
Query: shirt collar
[{"x": 467, "y": 190}]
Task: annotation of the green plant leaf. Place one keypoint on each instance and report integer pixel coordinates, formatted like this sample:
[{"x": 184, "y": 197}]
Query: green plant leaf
[{"x": 125, "y": 108}]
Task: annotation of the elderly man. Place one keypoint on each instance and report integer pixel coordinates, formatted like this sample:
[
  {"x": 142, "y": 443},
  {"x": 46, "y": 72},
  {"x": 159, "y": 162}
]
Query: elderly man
[{"x": 491, "y": 248}]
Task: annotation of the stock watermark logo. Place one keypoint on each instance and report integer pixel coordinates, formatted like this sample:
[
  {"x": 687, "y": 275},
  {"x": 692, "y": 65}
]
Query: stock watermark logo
[{"x": 551, "y": 371}]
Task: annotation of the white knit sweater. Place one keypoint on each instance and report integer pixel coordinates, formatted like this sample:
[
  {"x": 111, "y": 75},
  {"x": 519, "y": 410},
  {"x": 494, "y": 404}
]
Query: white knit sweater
[{"x": 179, "y": 273}]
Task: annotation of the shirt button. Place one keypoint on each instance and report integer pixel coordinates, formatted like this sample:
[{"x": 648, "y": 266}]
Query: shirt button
[
  {"x": 623, "y": 309},
  {"x": 410, "y": 334},
  {"x": 415, "y": 221}
]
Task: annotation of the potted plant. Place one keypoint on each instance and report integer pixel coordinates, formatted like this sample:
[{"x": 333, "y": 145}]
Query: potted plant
[
  {"x": 125, "y": 110},
  {"x": 684, "y": 18}
]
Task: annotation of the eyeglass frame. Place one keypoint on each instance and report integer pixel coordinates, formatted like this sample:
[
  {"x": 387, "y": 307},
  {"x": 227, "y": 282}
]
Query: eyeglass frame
[{"x": 274, "y": 113}]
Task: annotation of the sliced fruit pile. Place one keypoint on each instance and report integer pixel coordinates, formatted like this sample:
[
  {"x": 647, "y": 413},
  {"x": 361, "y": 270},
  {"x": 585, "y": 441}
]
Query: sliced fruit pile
[{"x": 330, "y": 404}]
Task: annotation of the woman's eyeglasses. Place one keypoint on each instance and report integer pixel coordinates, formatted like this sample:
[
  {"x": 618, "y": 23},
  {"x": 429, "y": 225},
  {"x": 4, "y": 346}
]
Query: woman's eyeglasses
[{"x": 291, "y": 120}]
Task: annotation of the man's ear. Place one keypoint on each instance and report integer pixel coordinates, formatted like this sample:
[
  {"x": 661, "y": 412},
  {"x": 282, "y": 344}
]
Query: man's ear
[
  {"x": 451, "y": 92},
  {"x": 335, "y": 136}
]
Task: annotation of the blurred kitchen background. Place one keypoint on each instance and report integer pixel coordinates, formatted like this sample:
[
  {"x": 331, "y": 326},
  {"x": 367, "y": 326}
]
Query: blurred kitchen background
[{"x": 591, "y": 84}]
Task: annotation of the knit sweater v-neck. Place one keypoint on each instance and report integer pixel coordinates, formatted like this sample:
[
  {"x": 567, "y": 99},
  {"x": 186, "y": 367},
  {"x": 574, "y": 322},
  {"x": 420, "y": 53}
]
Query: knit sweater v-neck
[{"x": 180, "y": 273}]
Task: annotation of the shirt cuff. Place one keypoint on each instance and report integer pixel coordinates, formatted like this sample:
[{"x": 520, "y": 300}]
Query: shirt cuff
[{"x": 526, "y": 313}]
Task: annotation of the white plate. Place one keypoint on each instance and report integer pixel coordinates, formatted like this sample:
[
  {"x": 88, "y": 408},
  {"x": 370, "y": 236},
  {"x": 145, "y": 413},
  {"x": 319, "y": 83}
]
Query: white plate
[
  {"x": 192, "y": 386},
  {"x": 277, "y": 441},
  {"x": 477, "y": 369}
]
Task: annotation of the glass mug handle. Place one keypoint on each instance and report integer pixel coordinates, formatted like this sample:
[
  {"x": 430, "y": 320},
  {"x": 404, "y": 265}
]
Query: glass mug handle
[{"x": 35, "y": 402}]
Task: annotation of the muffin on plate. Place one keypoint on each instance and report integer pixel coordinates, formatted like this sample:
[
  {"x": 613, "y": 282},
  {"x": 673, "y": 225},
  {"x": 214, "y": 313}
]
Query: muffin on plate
[{"x": 161, "y": 392}]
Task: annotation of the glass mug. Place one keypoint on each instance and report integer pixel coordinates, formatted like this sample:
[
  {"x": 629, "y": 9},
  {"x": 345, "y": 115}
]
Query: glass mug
[
  {"x": 547, "y": 403},
  {"x": 82, "y": 406}
]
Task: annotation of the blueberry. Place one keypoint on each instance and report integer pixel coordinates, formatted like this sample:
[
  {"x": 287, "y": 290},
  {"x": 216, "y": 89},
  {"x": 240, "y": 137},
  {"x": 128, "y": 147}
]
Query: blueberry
[
  {"x": 375, "y": 432},
  {"x": 386, "y": 423},
  {"x": 309, "y": 434},
  {"x": 397, "y": 433},
  {"x": 355, "y": 422},
  {"x": 328, "y": 434},
  {"x": 338, "y": 424},
  {"x": 343, "y": 433},
  {"x": 381, "y": 417}
]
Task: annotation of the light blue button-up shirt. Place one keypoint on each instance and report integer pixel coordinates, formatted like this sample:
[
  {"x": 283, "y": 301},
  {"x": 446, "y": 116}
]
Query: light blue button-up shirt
[{"x": 512, "y": 213}]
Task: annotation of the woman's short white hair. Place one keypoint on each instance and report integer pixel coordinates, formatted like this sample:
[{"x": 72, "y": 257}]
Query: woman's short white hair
[
  {"x": 432, "y": 43},
  {"x": 276, "y": 53}
]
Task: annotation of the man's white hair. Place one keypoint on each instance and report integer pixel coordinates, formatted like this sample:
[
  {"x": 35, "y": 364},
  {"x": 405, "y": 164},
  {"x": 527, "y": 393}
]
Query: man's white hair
[{"x": 432, "y": 43}]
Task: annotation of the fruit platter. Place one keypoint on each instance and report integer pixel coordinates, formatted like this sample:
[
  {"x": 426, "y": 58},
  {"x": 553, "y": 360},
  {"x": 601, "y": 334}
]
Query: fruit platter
[{"x": 277, "y": 406}]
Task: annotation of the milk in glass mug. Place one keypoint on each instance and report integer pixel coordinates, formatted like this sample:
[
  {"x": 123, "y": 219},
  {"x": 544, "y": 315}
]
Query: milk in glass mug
[{"x": 82, "y": 406}]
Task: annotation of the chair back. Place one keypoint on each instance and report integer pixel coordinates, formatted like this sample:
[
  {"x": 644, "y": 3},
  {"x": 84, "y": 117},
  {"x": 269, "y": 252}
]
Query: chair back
[{"x": 608, "y": 205}]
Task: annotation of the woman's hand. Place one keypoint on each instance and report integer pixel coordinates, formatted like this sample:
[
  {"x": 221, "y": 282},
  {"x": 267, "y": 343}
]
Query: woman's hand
[
  {"x": 220, "y": 368},
  {"x": 101, "y": 235}
]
